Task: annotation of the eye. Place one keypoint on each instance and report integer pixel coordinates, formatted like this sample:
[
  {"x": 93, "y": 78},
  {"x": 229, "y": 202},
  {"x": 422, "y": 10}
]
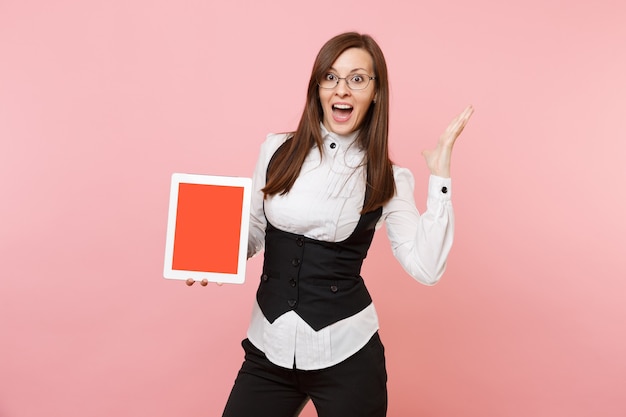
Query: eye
[
  {"x": 330, "y": 77},
  {"x": 357, "y": 79}
]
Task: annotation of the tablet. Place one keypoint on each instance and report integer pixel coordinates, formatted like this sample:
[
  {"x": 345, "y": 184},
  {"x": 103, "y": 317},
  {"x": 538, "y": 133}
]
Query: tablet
[{"x": 207, "y": 228}]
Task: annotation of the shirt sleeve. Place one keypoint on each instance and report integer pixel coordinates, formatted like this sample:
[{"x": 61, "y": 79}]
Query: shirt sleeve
[
  {"x": 256, "y": 232},
  {"x": 420, "y": 242}
]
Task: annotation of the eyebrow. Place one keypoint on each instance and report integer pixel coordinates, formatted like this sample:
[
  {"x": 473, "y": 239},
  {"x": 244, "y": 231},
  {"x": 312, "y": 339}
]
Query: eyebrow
[{"x": 353, "y": 70}]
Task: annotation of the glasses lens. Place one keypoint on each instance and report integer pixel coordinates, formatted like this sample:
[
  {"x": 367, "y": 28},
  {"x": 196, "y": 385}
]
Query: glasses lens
[
  {"x": 358, "y": 81},
  {"x": 328, "y": 81}
]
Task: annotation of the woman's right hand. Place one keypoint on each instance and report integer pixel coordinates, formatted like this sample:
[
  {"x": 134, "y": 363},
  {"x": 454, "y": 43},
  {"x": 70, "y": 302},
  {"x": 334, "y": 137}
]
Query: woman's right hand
[
  {"x": 204, "y": 282},
  {"x": 191, "y": 281}
]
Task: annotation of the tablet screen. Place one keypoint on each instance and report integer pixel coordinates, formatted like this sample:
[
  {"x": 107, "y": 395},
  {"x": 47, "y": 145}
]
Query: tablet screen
[{"x": 207, "y": 230}]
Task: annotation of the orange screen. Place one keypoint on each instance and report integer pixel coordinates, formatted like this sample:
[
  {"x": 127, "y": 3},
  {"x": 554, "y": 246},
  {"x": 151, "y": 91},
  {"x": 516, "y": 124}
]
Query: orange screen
[{"x": 208, "y": 224}]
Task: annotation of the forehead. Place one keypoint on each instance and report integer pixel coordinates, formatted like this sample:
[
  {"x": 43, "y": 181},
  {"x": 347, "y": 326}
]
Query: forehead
[{"x": 354, "y": 59}]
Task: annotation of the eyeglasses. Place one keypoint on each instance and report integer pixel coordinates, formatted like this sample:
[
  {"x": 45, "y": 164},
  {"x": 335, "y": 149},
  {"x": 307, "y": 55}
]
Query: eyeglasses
[{"x": 353, "y": 81}]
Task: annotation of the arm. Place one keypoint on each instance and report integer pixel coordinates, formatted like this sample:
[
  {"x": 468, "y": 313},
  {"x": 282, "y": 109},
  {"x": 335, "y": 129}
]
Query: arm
[
  {"x": 256, "y": 234},
  {"x": 256, "y": 231},
  {"x": 421, "y": 243}
]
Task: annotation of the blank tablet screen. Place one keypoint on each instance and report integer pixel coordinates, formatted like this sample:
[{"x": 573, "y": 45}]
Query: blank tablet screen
[{"x": 206, "y": 225}]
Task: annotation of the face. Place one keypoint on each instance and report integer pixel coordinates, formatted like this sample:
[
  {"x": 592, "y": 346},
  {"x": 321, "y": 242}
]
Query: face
[{"x": 344, "y": 109}]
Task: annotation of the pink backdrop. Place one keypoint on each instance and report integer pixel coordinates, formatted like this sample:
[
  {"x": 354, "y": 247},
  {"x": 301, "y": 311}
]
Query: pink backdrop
[{"x": 100, "y": 101}]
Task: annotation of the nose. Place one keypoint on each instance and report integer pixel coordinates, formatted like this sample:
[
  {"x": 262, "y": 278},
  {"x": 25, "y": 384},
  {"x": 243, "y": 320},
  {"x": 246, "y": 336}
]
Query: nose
[{"x": 342, "y": 88}]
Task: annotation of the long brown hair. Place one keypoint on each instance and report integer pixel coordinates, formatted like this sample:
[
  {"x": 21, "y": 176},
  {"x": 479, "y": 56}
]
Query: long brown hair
[{"x": 373, "y": 132}]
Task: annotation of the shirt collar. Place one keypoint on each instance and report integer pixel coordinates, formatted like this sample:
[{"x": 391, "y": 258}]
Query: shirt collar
[{"x": 342, "y": 140}]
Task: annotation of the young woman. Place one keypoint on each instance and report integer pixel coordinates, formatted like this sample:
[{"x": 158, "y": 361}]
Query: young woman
[{"x": 319, "y": 194}]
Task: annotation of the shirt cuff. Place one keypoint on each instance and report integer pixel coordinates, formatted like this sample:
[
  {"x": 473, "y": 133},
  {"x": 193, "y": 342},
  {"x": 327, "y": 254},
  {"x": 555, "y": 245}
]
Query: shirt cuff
[{"x": 440, "y": 188}]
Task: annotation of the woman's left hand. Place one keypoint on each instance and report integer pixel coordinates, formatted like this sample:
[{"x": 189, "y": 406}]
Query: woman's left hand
[{"x": 438, "y": 159}]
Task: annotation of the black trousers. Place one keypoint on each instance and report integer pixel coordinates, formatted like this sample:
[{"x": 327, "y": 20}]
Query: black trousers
[{"x": 356, "y": 387}]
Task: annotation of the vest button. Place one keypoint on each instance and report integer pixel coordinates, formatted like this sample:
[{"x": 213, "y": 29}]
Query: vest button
[
  {"x": 299, "y": 241},
  {"x": 334, "y": 288},
  {"x": 264, "y": 277},
  {"x": 292, "y": 282},
  {"x": 291, "y": 303},
  {"x": 295, "y": 262}
]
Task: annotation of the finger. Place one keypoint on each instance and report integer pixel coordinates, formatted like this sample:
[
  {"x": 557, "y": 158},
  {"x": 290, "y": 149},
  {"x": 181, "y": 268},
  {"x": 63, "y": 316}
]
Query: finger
[
  {"x": 467, "y": 113},
  {"x": 463, "y": 121},
  {"x": 220, "y": 283},
  {"x": 458, "y": 124},
  {"x": 189, "y": 281},
  {"x": 463, "y": 117},
  {"x": 204, "y": 282}
]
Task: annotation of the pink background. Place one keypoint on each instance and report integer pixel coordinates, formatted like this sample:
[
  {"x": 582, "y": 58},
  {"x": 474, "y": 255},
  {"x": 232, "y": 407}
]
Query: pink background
[{"x": 100, "y": 101}]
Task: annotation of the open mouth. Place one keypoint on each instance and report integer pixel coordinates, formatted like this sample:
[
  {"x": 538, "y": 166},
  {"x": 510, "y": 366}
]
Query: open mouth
[{"x": 341, "y": 112}]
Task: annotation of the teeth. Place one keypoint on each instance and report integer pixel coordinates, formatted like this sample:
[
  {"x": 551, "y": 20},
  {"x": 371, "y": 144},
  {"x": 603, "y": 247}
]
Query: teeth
[{"x": 342, "y": 106}]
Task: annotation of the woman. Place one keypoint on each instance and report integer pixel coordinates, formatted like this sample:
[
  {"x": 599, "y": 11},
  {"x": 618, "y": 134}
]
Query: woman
[{"x": 319, "y": 194}]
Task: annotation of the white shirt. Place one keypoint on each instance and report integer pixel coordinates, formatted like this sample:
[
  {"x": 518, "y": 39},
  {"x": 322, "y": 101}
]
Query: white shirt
[{"x": 324, "y": 204}]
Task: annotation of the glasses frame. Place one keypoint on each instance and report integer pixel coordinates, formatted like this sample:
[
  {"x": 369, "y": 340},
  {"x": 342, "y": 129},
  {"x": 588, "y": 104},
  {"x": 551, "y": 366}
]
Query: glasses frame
[{"x": 370, "y": 78}]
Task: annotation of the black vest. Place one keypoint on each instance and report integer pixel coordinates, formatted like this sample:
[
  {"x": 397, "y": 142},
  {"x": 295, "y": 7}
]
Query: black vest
[{"x": 319, "y": 280}]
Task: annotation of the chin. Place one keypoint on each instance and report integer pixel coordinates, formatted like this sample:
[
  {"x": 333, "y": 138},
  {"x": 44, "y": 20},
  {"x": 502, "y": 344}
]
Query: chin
[{"x": 342, "y": 129}]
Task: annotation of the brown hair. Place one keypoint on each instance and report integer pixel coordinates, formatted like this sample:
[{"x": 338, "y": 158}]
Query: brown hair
[{"x": 373, "y": 132}]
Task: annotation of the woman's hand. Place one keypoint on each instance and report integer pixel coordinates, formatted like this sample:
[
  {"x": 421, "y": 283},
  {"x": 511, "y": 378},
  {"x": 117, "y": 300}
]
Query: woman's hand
[
  {"x": 438, "y": 159},
  {"x": 191, "y": 281},
  {"x": 204, "y": 282}
]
